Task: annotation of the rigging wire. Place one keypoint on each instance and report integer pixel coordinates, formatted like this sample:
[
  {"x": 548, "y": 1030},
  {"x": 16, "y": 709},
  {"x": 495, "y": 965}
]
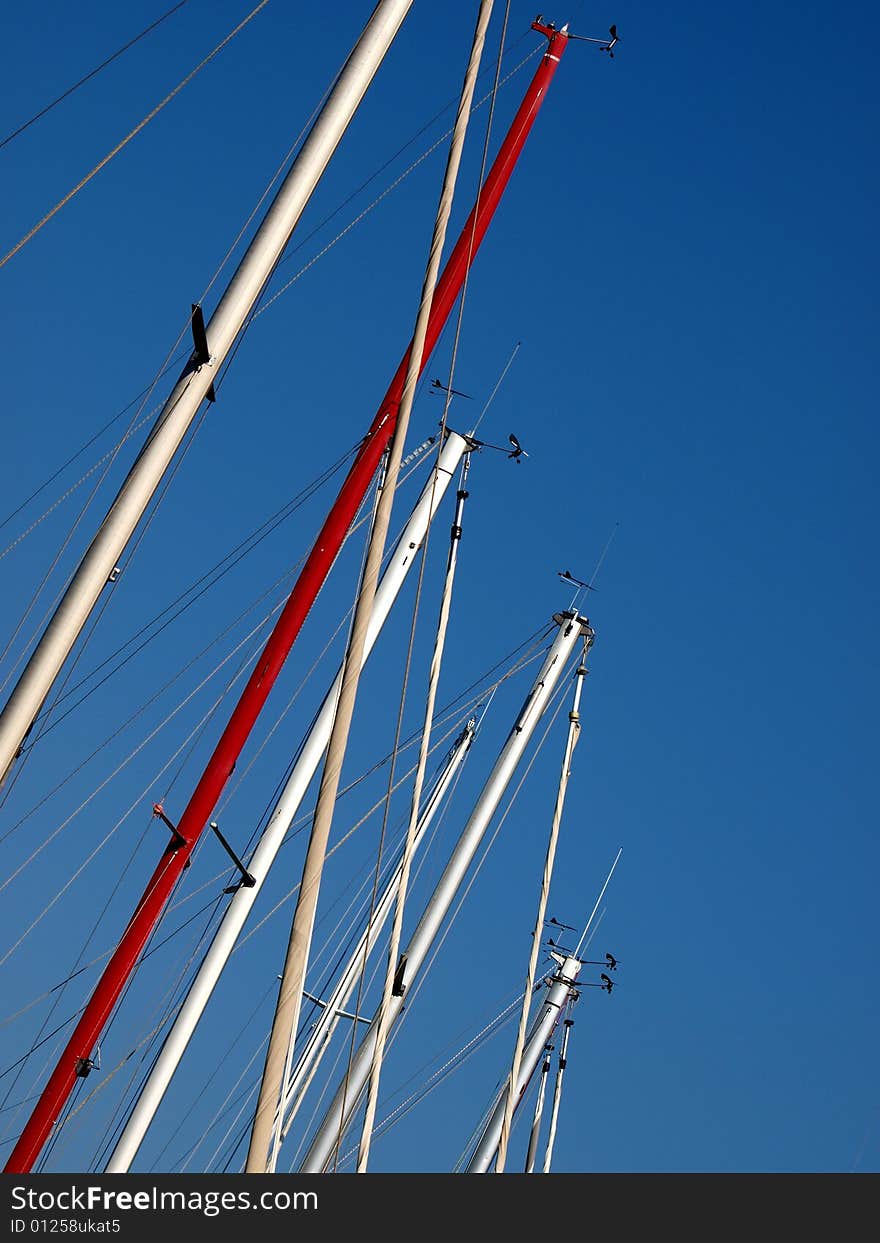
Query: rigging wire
[
  {"x": 246, "y": 662},
  {"x": 498, "y": 384},
  {"x": 219, "y": 570},
  {"x": 172, "y": 361},
  {"x": 91, "y": 74},
  {"x": 206, "y": 1084},
  {"x": 383, "y": 195},
  {"x": 132, "y": 134},
  {"x": 40, "y": 723},
  {"x": 42, "y": 585},
  {"x": 495, "y": 1025},
  {"x": 22, "y": 535},
  {"x": 346, "y": 954}
]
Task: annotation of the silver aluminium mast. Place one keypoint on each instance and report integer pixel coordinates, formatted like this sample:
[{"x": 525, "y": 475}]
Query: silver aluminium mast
[{"x": 562, "y": 986}]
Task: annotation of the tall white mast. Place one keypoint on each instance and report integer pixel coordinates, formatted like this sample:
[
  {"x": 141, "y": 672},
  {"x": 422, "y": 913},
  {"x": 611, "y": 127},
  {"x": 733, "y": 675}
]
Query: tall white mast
[
  {"x": 291, "y": 797},
  {"x": 572, "y": 627},
  {"x": 196, "y": 381},
  {"x": 561, "y": 989},
  {"x": 574, "y": 726}
]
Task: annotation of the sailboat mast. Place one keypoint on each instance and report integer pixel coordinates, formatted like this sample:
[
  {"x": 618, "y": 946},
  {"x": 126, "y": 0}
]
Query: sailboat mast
[
  {"x": 557, "y": 1094},
  {"x": 571, "y": 629},
  {"x": 562, "y": 987},
  {"x": 196, "y": 381},
  {"x": 574, "y": 728}
]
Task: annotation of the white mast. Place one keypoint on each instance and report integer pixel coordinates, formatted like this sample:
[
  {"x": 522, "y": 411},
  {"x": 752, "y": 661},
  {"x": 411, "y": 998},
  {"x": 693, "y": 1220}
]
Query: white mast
[
  {"x": 561, "y": 989},
  {"x": 571, "y": 628},
  {"x": 197, "y": 379},
  {"x": 323, "y": 1030},
  {"x": 557, "y": 1094},
  {"x": 286, "y": 808},
  {"x": 574, "y": 726}
]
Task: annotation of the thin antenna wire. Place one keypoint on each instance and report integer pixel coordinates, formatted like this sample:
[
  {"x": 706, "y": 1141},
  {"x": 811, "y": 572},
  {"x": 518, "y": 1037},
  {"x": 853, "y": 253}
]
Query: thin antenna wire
[
  {"x": 598, "y": 900},
  {"x": 595, "y": 929},
  {"x": 602, "y": 558},
  {"x": 589, "y": 586},
  {"x": 496, "y": 388}
]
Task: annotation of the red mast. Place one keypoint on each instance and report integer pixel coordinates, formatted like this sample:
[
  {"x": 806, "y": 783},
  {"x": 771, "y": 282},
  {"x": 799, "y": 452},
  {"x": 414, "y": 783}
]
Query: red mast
[{"x": 75, "y": 1061}]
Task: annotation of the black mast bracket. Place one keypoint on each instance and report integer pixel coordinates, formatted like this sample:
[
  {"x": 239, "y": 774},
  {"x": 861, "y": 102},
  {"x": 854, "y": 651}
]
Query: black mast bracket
[
  {"x": 177, "y": 838},
  {"x": 202, "y": 356},
  {"x": 247, "y": 880}
]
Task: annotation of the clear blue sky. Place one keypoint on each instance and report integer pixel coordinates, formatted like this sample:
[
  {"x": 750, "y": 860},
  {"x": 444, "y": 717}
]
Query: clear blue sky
[{"x": 688, "y": 255}]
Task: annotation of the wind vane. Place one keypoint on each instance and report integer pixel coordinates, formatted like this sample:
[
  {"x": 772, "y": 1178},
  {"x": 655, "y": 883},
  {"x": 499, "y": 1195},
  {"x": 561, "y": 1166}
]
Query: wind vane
[
  {"x": 436, "y": 384},
  {"x": 605, "y": 45}
]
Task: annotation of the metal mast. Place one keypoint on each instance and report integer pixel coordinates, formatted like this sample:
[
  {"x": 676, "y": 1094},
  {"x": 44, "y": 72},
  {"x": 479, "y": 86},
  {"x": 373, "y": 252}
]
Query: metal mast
[
  {"x": 574, "y": 726},
  {"x": 557, "y": 1094},
  {"x": 401, "y": 561},
  {"x": 562, "y": 987},
  {"x": 196, "y": 380},
  {"x": 539, "y": 1110},
  {"x": 571, "y": 628},
  {"x": 75, "y": 1060}
]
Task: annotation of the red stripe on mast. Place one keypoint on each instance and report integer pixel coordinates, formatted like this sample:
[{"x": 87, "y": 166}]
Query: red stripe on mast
[{"x": 302, "y": 597}]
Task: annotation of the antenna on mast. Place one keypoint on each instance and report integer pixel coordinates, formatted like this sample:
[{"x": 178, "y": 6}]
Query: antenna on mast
[
  {"x": 598, "y": 900},
  {"x": 566, "y": 576}
]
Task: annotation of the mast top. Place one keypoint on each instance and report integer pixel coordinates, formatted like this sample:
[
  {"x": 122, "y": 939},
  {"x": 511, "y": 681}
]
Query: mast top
[
  {"x": 574, "y": 616},
  {"x": 548, "y": 28}
]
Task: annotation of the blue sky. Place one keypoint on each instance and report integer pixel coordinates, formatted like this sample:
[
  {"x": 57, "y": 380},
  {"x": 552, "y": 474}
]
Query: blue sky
[{"x": 687, "y": 254}]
